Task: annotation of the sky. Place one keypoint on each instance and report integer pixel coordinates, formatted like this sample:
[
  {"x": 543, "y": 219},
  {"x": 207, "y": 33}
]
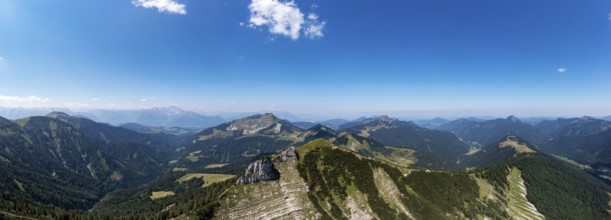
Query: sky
[{"x": 332, "y": 58}]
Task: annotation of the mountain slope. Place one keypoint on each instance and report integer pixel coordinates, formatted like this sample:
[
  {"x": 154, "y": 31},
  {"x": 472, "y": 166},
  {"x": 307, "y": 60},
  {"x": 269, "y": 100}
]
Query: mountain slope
[
  {"x": 485, "y": 133},
  {"x": 403, "y": 157},
  {"x": 502, "y": 151},
  {"x": 238, "y": 142},
  {"x": 342, "y": 184},
  {"x": 51, "y": 162},
  {"x": 572, "y": 127},
  {"x": 434, "y": 149}
]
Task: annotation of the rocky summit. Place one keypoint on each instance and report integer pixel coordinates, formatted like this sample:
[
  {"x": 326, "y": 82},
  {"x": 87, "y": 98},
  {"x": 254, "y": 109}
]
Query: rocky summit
[
  {"x": 259, "y": 171},
  {"x": 288, "y": 156}
]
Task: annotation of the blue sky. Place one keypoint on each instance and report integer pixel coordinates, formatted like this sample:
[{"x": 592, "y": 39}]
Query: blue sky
[{"x": 420, "y": 57}]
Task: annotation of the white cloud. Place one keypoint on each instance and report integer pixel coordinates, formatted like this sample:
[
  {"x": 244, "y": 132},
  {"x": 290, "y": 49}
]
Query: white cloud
[
  {"x": 313, "y": 27},
  {"x": 95, "y": 99},
  {"x": 561, "y": 70},
  {"x": 609, "y": 16},
  {"x": 1, "y": 59},
  {"x": 20, "y": 101},
  {"x": 284, "y": 18},
  {"x": 169, "y": 6}
]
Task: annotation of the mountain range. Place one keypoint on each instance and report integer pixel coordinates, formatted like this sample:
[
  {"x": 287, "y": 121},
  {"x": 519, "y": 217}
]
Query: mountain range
[{"x": 64, "y": 166}]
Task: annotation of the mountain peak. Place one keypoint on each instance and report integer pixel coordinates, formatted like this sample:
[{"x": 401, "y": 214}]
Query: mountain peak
[
  {"x": 381, "y": 119},
  {"x": 170, "y": 110},
  {"x": 255, "y": 123},
  {"x": 56, "y": 114},
  {"x": 385, "y": 118},
  {"x": 513, "y": 118}
]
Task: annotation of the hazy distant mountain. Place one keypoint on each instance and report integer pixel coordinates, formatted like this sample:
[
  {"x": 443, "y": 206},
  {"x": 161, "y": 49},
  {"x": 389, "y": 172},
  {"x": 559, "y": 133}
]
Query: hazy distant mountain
[
  {"x": 583, "y": 126},
  {"x": 487, "y": 132},
  {"x": 360, "y": 121},
  {"x": 160, "y": 130},
  {"x": 331, "y": 123},
  {"x": 431, "y": 123},
  {"x": 17, "y": 113},
  {"x": 172, "y": 135},
  {"x": 304, "y": 124},
  {"x": 177, "y": 117},
  {"x": 535, "y": 120},
  {"x": 319, "y": 131},
  {"x": 158, "y": 116}
]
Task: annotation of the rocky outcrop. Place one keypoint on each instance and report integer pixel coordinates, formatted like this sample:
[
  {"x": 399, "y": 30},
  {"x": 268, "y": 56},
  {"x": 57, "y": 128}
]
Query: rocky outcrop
[
  {"x": 288, "y": 156},
  {"x": 259, "y": 171}
]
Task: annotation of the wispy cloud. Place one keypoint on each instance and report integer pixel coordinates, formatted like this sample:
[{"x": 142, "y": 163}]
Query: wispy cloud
[
  {"x": 561, "y": 70},
  {"x": 146, "y": 99},
  {"x": 76, "y": 105},
  {"x": 169, "y": 6},
  {"x": 20, "y": 101},
  {"x": 610, "y": 16},
  {"x": 284, "y": 18},
  {"x": 1, "y": 59}
]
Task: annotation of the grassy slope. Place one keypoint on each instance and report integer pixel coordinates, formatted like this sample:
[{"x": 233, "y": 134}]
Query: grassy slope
[{"x": 519, "y": 206}]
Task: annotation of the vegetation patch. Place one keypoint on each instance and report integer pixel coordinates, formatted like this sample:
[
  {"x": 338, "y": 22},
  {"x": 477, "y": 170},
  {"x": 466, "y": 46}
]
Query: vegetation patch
[
  {"x": 209, "y": 178},
  {"x": 574, "y": 163},
  {"x": 161, "y": 194},
  {"x": 19, "y": 185},
  {"x": 473, "y": 150},
  {"x": 4, "y": 159},
  {"x": 513, "y": 143},
  {"x": 179, "y": 169},
  {"x": 216, "y": 165}
]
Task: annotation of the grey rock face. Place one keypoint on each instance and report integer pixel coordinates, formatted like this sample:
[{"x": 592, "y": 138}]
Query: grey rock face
[
  {"x": 288, "y": 156},
  {"x": 260, "y": 170}
]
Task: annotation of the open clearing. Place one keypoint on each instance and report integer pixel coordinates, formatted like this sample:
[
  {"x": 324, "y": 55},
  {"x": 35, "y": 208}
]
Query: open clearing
[
  {"x": 161, "y": 194},
  {"x": 179, "y": 169},
  {"x": 209, "y": 178},
  {"x": 216, "y": 165}
]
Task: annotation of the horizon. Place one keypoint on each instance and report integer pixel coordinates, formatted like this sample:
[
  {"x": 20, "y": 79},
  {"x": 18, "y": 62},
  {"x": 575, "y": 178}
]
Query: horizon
[
  {"x": 338, "y": 59},
  {"x": 291, "y": 116}
]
